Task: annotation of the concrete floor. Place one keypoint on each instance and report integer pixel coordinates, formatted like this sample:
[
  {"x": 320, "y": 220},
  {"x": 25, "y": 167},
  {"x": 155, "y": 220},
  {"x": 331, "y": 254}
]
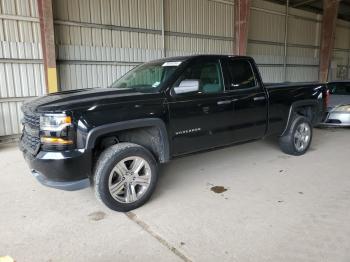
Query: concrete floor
[{"x": 276, "y": 208}]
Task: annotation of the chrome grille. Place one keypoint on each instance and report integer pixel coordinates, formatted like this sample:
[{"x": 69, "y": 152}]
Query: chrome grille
[
  {"x": 30, "y": 140},
  {"x": 31, "y": 119}
]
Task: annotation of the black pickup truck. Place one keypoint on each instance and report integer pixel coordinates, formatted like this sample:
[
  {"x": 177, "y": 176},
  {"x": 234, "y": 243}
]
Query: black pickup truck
[{"x": 114, "y": 138}]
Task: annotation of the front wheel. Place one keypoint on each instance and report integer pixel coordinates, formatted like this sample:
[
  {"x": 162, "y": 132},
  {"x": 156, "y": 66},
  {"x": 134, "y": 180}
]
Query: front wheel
[
  {"x": 125, "y": 177},
  {"x": 298, "y": 138}
]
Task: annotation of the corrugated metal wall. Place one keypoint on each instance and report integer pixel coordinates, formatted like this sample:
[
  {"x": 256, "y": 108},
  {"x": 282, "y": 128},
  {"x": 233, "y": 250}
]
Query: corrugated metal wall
[
  {"x": 21, "y": 69},
  {"x": 98, "y": 41},
  {"x": 341, "y": 55},
  {"x": 267, "y": 37},
  {"x": 199, "y": 27}
]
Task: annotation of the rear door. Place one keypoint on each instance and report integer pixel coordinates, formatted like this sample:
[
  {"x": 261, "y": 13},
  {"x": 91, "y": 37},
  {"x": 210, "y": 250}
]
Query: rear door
[{"x": 250, "y": 102}]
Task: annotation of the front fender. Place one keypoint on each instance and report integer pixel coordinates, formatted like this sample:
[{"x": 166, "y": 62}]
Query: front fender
[{"x": 99, "y": 131}]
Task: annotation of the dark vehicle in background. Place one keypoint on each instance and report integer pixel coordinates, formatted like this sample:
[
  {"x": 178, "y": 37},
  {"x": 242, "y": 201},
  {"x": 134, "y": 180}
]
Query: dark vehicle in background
[
  {"x": 338, "y": 111},
  {"x": 114, "y": 138}
]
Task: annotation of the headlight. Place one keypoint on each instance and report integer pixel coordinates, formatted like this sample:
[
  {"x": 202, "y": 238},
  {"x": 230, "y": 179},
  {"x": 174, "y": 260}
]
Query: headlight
[
  {"x": 342, "y": 109},
  {"x": 56, "y": 132},
  {"x": 54, "y": 122}
]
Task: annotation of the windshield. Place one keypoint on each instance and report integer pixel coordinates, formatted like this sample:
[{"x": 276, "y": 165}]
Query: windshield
[{"x": 147, "y": 77}]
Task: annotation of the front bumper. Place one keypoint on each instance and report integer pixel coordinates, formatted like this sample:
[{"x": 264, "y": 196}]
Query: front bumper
[
  {"x": 68, "y": 186},
  {"x": 341, "y": 119},
  {"x": 67, "y": 170}
]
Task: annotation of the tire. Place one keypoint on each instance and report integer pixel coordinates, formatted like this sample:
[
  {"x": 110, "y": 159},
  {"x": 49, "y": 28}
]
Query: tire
[
  {"x": 122, "y": 181},
  {"x": 290, "y": 143}
]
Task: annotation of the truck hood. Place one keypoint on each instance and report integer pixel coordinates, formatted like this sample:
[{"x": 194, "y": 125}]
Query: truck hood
[{"x": 80, "y": 98}]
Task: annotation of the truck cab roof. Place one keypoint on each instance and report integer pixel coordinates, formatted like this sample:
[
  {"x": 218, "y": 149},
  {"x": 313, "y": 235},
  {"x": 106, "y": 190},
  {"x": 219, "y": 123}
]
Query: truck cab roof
[{"x": 186, "y": 58}]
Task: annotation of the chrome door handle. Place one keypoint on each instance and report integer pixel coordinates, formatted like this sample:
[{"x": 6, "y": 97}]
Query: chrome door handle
[
  {"x": 259, "y": 98},
  {"x": 224, "y": 102}
]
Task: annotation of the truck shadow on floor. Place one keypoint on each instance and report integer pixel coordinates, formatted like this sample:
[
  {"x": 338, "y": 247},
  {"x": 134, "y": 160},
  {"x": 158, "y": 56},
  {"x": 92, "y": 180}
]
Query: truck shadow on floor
[{"x": 205, "y": 167}]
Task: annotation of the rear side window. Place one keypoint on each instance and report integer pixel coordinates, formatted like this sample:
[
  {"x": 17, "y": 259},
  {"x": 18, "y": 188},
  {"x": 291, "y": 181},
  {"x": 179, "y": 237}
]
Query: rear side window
[{"x": 241, "y": 75}]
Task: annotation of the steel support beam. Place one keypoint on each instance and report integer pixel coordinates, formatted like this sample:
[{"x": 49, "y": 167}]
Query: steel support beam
[
  {"x": 285, "y": 53},
  {"x": 48, "y": 44},
  {"x": 242, "y": 14},
  {"x": 163, "y": 28},
  {"x": 330, "y": 13}
]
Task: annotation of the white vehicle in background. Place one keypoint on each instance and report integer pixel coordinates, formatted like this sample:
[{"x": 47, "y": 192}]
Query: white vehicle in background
[{"x": 338, "y": 111}]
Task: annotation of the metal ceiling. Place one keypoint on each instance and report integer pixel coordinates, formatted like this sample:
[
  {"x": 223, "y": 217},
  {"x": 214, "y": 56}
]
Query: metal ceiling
[{"x": 316, "y": 6}]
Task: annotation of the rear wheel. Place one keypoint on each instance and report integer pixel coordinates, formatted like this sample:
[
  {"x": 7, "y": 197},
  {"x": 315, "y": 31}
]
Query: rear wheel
[
  {"x": 297, "y": 139},
  {"x": 125, "y": 177}
]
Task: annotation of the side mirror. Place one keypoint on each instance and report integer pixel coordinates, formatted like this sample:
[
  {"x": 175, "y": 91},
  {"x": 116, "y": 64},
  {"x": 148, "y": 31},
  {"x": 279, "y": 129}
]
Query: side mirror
[{"x": 187, "y": 86}]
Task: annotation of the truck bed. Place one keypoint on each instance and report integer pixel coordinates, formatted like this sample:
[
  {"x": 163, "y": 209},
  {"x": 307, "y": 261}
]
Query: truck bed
[
  {"x": 284, "y": 95},
  {"x": 291, "y": 84}
]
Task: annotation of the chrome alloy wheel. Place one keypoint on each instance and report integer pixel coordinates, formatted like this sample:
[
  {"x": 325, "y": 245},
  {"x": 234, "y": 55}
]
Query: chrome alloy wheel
[
  {"x": 302, "y": 137},
  {"x": 129, "y": 179}
]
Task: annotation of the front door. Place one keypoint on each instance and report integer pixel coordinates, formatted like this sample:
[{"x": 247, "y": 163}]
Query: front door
[{"x": 201, "y": 119}]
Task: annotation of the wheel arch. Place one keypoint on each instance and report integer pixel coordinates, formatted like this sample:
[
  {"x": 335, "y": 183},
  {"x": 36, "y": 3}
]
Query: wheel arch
[
  {"x": 150, "y": 133},
  {"x": 308, "y": 108}
]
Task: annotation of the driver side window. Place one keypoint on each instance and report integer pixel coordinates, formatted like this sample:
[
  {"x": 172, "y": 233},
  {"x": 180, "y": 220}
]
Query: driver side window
[{"x": 207, "y": 73}]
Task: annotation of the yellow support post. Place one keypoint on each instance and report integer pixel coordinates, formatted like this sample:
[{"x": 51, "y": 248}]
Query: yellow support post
[
  {"x": 48, "y": 44},
  {"x": 52, "y": 80}
]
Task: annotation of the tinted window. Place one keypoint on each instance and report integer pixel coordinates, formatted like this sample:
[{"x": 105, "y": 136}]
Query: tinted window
[
  {"x": 240, "y": 74},
  {"x": 147, "y": 77},
  {"x": 208, "y": 74},
  {"x": 339, "y": 88}
]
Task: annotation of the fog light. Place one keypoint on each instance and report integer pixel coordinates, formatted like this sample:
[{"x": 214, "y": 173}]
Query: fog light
[{"x": 55, "y": 141}]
